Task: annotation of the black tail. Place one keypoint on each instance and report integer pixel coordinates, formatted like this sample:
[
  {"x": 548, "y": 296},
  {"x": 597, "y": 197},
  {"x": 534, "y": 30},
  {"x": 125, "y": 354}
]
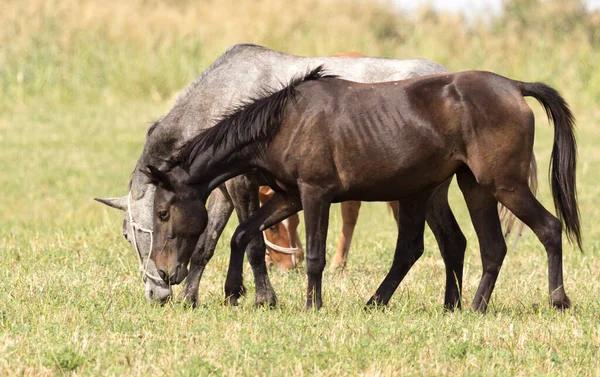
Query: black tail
[
  {"x": 564, "y": 156},
  {"x": 256, "y": 119}
]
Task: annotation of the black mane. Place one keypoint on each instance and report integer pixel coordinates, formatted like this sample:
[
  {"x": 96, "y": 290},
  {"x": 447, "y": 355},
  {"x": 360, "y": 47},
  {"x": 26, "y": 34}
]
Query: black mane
[{"x": 257, "y": 119}]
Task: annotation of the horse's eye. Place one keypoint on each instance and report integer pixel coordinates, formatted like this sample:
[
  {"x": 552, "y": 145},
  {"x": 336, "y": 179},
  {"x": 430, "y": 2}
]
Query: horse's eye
[{"x": 162, "y": 215}]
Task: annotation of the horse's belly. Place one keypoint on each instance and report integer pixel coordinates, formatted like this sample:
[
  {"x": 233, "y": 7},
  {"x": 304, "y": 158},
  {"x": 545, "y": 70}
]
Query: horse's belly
[{"x": 394, "y": 177}]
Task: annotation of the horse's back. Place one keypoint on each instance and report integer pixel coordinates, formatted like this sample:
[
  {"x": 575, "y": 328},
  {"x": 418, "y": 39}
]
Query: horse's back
[
  {"x": 399, "y": 130},
  {"x": 340, "y": 130}
]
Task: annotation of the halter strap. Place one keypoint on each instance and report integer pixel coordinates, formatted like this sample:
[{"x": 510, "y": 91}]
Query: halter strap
[
  {"x": 283, "y": 250},
  {"x": 133, "y": 225}
]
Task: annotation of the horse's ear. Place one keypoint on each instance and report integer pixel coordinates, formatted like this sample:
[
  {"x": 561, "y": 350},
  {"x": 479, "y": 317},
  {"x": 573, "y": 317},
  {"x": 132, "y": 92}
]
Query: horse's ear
[
  {"x": 118, "y": 203},
  {"x": 158, "y": 177}
]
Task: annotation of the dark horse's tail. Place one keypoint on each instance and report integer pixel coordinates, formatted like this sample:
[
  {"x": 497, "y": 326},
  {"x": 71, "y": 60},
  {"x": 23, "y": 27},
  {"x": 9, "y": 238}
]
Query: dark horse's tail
[{"x": 564, "y": 156}]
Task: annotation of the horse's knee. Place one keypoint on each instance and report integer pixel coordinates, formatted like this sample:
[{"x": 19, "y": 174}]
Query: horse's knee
[
  {"x": 314, "y": 265},
  {"x": 255, "y": 251},
  {"x": 240, "y": 239}
]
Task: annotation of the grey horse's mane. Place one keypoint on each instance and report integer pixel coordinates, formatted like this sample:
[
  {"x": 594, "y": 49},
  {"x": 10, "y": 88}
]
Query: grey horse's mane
[{"x": 183, "y": 96}]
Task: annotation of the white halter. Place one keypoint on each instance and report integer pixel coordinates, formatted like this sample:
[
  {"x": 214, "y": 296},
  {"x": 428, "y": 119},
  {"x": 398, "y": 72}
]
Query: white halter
[
  {"x": 283, "y": 250},
  {"x": 133, "y": 225}
]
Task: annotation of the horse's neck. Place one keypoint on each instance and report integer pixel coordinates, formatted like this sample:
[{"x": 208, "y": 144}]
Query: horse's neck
[
  {"x": 211, "y": 169},
  {"x": 210, "y": 97}
]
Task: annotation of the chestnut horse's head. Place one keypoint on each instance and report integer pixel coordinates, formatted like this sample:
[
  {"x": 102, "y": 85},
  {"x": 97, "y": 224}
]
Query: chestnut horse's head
[{"x": 284, "y": 249}]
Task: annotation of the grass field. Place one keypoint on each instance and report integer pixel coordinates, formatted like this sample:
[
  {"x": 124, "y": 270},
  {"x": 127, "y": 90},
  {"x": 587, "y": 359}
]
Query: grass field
[{"x": 80, "y": 83}]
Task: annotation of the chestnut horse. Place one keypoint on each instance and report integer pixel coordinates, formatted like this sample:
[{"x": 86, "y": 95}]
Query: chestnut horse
[
  {"x": 400, "y": 140},
  {"x": 283, "y": 246}
]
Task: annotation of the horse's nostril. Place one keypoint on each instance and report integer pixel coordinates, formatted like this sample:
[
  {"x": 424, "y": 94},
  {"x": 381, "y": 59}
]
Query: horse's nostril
[
  {"x": 163, "y": 275},
  {"x": 151, "y": 294}
]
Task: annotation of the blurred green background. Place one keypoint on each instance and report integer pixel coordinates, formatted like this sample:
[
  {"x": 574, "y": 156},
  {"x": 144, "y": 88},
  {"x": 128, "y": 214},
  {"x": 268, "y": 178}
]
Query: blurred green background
[{"x": 81, "y": 80}]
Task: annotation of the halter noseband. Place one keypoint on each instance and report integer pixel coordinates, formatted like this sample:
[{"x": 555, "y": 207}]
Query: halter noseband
[
  {"x": 133, "y": 225},
  {"x": 283, "y": 250}
]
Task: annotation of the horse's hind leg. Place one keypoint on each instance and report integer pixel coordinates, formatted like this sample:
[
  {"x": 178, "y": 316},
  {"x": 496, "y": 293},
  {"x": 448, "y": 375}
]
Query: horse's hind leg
[
  {"x": 451, "y": 241},
  {"x": 409, "y": 247},
  {"x": 219, "y": 210},
  {"x": 483, "y": 209},
  {"x": 548, "y": 229},
  {"x": 350, "y": 211}
]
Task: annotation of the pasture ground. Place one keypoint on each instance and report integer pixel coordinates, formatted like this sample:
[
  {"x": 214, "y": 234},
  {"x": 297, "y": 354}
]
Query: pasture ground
[{"x": 71, "y": 300}]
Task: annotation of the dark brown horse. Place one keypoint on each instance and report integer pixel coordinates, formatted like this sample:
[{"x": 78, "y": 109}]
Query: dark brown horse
[{"x": 380, "y": 142}]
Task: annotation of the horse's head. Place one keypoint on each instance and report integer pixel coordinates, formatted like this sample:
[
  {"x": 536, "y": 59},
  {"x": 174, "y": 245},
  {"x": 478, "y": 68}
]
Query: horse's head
[
  {"x": 284, "y": 249},
  {"x": 178, "y": 221},
  {"x": 136, "y": 230}
]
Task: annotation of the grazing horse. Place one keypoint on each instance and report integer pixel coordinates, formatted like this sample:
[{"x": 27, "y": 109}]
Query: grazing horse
[
  {"x": 284, "y": 249},
  {"x": 239, "y": 72},
  {"x": 379, "y": 142},
  {"x": 235, "y": 75}
]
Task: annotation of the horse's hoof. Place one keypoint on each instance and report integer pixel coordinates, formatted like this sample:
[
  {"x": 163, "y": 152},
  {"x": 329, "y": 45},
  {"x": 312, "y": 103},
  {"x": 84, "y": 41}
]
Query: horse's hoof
[
  {"x": 337, "y": 266},
  {"x": 231, "y": 301},
  {"x": 480, "y": 307},
  {"x": 375, "y": 302},
  {"x": 190, "y": 302},
  {"x": 189, "y": 299},
  {"x": 374, "y": 305},
  {"x": 234, "y": 291},
  {"x": 452, "y": 307},
  {"x": 267, "y": 301},
  {"x": 561, "y": 302}
]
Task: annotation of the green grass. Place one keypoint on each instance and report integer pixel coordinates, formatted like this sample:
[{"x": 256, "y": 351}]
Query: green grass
[
  {"x": 72, "y": 301},
  {"x": 76, "y": 95}
]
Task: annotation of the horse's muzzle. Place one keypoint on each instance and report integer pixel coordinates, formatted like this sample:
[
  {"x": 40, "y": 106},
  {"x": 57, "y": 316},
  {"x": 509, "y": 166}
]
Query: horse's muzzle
[{"x": 174, "y": 277}]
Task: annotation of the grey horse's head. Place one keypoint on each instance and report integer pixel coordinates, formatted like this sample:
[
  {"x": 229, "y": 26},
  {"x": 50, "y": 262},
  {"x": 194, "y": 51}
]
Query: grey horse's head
[{"x": 137, "y": 225}]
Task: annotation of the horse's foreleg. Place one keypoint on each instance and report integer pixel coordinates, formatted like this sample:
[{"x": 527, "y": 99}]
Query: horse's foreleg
[
  {"x": 409, "y": 247},
  {"x": 451, "y": 241},
  {"x": 483, "y": 209},
  {"x": 316, "y": 206},
  {"x": 219, "y": 210},
  {"x": 350, "y": 211},
  {"x": 248, "y": 235},
  {"x": 244, "y": 194}
]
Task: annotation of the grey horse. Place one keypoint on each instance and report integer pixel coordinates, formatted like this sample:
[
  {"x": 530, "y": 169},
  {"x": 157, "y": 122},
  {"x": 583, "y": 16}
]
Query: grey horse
[{"x": 234, "y": 77}]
